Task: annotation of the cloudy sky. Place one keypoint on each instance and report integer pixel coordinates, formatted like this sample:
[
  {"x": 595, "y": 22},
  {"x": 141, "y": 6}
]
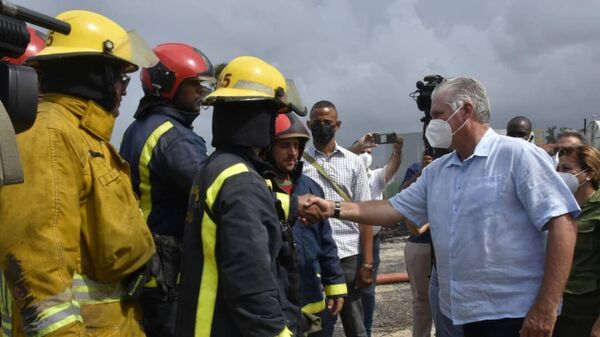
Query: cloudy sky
[{"x": 538, "y": 58}]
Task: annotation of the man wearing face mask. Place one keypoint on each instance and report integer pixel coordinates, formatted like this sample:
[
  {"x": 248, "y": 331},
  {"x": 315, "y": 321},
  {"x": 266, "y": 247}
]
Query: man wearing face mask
[
  {"x": 379, "y": 179},
  {"x": 501, "y": 219},
  {"x": 520, "y": 127},
  {"x": 165, "y": 153},
  {"x": 343, "y": 176}
]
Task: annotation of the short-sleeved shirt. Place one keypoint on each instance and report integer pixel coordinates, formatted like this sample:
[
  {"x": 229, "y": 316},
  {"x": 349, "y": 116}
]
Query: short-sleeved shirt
[
  {"x": 488, "y": 217},
  {"x": 377, "y": 184},
  {"x": 348, "y": 171},
  {"x": 411, "y": 171}
]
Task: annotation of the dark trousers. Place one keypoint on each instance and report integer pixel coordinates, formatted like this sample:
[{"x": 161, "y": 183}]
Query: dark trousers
[
  {"x": 159, "y": 315},
  {"x": 506, "y": 327},
  {"x": 352, "y": 311},
  {"x": 579, "y": 312},
  {"x": 322, "y": 315},
  {"x": 368, "y": 294}
]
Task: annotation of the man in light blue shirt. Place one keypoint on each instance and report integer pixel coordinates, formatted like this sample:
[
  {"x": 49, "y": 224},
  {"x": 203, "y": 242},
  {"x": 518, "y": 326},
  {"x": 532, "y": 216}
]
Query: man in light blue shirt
[{"x": 501, "y": 219}]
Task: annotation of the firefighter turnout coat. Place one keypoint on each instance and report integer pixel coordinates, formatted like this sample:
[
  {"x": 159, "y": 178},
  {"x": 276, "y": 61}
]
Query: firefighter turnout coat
[
  {"x": 234, "y": 279},
  {"x": 73, "y": 231}
]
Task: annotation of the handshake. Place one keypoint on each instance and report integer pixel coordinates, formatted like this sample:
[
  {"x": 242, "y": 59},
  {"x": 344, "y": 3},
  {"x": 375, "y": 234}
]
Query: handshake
[{"x": 312, "y": 209}]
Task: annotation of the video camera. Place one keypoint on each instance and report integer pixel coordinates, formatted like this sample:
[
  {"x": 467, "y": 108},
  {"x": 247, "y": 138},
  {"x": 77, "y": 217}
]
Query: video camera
[
  {"x": 423, "y": 98},
  {"x": 18, "y": 83}
]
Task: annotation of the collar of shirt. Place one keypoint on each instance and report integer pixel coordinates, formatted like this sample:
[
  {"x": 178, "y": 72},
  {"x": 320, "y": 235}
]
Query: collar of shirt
[
  {"x": 312, "y": 150},
  {"x": 482, "y": 149},
  {"x": 92, "y": 117},
  {"x": 590, "y": 203}
]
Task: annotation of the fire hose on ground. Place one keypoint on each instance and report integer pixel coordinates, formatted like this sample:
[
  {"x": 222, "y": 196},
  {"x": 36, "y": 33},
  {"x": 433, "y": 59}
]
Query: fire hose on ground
[{"x": 392, "y": 278}]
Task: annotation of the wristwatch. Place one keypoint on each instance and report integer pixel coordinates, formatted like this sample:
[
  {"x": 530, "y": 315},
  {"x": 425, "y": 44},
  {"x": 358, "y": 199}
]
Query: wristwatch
[{"x": 337, "y": 209}]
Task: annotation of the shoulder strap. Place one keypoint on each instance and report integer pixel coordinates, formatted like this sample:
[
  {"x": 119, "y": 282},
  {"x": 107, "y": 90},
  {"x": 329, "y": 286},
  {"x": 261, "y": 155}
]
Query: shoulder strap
[
  {"x": 324, "y": 174},
  {"x": 10, "y": 165}
]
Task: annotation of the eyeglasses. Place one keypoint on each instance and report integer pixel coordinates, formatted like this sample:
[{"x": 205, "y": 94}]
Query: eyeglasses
[
  {"x": 125, "y": 79},
  {"x": 207, "y": 86}
]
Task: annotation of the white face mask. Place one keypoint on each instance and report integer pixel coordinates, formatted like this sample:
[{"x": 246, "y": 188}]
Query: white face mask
[
  {"x": 531, "y": 138},
  {"x": 555, "y": 159},
  {"x": 367, "y": 158},
  {"x": 571, "y": 180},
  {"x": 439, "y": 132}
]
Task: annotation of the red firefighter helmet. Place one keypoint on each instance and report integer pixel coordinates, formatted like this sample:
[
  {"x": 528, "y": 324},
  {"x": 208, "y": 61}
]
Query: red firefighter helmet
[
  {"x": 37, "y": 42},
  {"x": 178, "y": 62},
  {"x": 288, "y": 125}
]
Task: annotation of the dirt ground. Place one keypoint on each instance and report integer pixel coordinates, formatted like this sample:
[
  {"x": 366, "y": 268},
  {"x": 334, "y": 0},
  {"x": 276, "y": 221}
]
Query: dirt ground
[{"x": 393, "y": 313}]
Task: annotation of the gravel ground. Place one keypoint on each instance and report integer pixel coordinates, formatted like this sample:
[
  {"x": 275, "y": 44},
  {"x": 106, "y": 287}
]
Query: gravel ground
[{"x": 393, "y": 313}]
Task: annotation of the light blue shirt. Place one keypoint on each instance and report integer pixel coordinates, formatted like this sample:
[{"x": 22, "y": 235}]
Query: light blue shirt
[{"x": 487, "y": 216}]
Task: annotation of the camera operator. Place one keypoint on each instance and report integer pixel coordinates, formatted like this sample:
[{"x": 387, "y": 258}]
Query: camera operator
[
  {"x": 73, "y": 232},
  {"x": 37, "y": 42}
]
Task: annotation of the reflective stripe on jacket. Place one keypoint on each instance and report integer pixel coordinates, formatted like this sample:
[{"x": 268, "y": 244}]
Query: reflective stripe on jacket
[
  {"x": 318, "y": 261},
  {"x": 164, "y": 155},
  {"x": 232, "y": 278},
  {"x": 5, "y": 309},
  {"x": 75, "y": 213}
]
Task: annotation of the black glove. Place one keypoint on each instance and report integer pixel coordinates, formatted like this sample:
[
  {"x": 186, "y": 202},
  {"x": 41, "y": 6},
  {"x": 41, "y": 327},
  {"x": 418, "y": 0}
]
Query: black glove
[
  {"x": 168, "y": 249},
  {"x": 135, "y": 282}
]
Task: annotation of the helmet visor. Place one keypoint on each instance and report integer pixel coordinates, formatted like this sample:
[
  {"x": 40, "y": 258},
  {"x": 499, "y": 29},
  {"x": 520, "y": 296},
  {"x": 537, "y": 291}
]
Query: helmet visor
[
  {"x": 133, "y": 49},
  {"x": 207, "y": 83},
  {"x": 292, "y": 99}
]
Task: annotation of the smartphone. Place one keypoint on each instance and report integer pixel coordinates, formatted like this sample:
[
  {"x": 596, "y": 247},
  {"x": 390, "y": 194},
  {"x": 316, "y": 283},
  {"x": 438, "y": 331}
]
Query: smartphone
[{"x": 384, "y": 138}]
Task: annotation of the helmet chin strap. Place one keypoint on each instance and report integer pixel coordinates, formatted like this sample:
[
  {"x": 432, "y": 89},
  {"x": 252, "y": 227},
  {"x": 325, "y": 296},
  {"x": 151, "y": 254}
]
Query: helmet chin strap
[{"x": 109, "y": 96}]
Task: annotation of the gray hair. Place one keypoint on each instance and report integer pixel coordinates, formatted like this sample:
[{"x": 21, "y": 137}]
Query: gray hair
[
  {"x": 572, "y": 133},
  {"x": 465, "y": 89}
]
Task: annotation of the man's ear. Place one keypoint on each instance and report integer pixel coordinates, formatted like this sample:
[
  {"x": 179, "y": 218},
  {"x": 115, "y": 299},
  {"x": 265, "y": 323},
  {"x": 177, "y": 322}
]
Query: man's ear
[
  {"x": 308, "y": 124},
  {"x": 338, "y": 124},
  {"x": 469, "y": 110}
]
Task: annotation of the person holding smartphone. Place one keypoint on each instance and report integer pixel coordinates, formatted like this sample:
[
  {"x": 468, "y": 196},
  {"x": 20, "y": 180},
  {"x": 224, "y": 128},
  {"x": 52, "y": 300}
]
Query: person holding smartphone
[{"x": 379, "y": 179}]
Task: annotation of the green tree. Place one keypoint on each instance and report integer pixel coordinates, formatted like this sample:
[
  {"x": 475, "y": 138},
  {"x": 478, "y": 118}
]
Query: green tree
[
  {"x": 551, "y": 133},
  {"x": 550, "y": 136}
]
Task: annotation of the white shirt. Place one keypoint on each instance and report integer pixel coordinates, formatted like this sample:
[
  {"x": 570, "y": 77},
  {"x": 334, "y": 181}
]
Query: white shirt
[
  {"x": 377, "y": 184},
  {"x": 348, "y": 171},
  {"x": 487, "y": 216}
]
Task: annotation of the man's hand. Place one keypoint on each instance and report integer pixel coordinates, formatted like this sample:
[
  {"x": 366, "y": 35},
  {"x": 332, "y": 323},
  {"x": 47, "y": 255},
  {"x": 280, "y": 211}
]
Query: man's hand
[
  {"x": 596, "y": 328},
  {"x": 562, "y": 233},
  {"x": 326, "y": 207},
  {"x": 308, "y": 212},
  {"x": 363, "y": 143},
  {"x": 539, "y": 321},
  {"x": 364, "y": 277},
  {"x": 398, "y": 144},
  {"x": 334, "y": 305},
  {"x": 426, "y": 160}
]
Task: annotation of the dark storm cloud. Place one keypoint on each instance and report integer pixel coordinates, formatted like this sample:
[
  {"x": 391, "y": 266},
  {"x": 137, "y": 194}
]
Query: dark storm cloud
[{"x": 537, "y": 58}]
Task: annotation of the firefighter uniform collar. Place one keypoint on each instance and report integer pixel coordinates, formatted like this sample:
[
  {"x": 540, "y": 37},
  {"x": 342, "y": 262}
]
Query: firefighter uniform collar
[
  {"x": 183, "y": 117},
  {"x": 92, "y": 117},
  {"x": 157, "y": 105},
  {"x": 261, "y": 166}
]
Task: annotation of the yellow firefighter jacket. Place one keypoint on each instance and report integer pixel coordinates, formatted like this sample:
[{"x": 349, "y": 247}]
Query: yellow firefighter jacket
[{"x": 73, "y": 231}]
